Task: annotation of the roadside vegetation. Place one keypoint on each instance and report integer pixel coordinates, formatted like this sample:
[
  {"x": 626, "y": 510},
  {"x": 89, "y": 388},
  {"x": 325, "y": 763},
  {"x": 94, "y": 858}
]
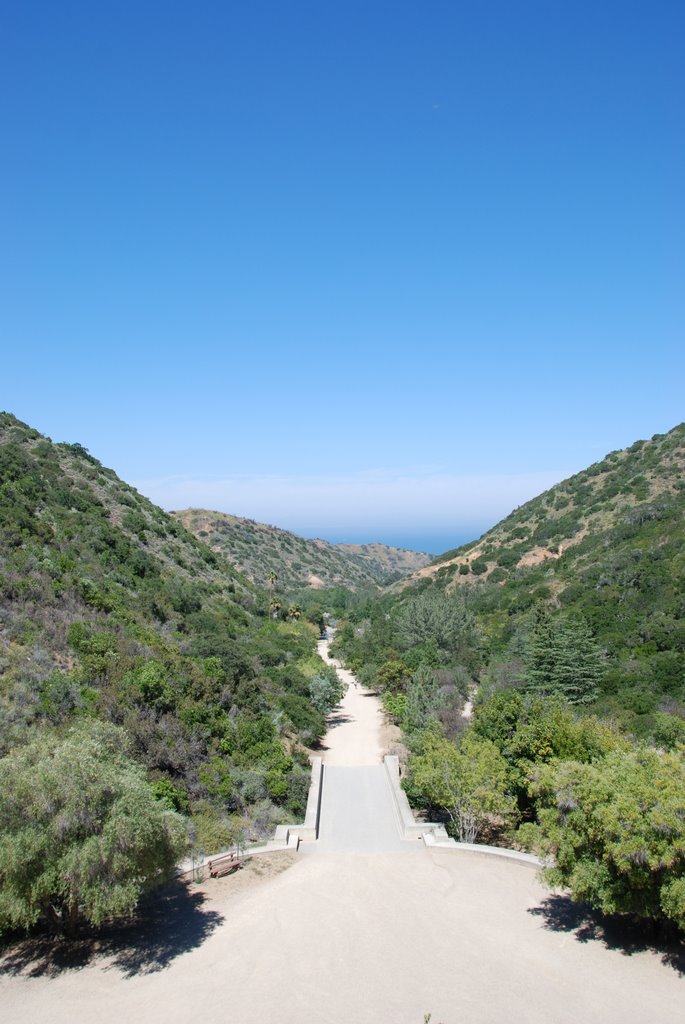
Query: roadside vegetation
[{"x": 538, "y": 676}]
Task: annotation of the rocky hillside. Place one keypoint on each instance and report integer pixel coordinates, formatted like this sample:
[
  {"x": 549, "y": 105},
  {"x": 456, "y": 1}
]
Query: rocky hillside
[
  {"x": 110, "y": 608},
  {"x": 270, "y": 556}
]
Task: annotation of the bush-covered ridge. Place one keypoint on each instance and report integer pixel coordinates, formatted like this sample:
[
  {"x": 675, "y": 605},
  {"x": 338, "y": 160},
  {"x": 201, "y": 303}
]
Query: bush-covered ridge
[
  {"x": 648, "y": 476},
  {"x": 111, "y": 609},
  {"x": 607, "y": 598},
  {"x": 267, "y": 554}
]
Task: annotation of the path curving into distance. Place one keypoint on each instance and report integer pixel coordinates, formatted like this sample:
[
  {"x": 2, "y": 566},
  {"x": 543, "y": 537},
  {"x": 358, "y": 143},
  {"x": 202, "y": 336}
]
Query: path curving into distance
[{"x": 357, "y": 932}]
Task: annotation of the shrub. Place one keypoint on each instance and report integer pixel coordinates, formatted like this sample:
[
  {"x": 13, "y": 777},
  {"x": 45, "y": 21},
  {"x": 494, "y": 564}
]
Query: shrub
[
  {"x": 81, "y": 833},
  {"x": 616, "y": 830}
]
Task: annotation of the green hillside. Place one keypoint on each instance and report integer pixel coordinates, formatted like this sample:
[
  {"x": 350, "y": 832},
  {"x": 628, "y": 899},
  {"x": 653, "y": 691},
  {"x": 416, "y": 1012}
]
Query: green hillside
[
  {"x": 273, "y": 557},
  {"x": 110, "y": 609},
  {"x": 602, "y": 554}
]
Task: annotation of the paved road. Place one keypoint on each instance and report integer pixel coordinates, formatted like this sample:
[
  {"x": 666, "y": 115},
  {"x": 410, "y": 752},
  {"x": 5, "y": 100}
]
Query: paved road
[{"x": 357, "y": 814}]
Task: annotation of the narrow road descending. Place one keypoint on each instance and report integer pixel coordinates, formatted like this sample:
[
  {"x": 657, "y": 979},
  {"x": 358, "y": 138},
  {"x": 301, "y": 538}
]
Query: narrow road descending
[{"x": 357, "y": 812}]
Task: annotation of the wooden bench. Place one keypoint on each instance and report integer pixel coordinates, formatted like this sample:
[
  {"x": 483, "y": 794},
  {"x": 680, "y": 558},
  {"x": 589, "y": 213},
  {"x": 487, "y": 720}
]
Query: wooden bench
[{"x": 223, "y": 865}]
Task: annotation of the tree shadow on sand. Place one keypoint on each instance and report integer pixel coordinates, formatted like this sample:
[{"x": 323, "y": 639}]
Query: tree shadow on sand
[
  {"x": 628, "y": 936},
  {"x": 168, "y": 924}
]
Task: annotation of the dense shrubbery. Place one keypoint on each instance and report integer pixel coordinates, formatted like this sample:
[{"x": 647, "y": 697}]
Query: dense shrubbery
[
  {"x": 615, "y": 829},
  {"x": 82, "y": 834}
]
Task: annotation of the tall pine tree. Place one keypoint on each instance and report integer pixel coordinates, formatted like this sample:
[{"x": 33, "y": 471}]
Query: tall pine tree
[{"x": 564, "y": 659}]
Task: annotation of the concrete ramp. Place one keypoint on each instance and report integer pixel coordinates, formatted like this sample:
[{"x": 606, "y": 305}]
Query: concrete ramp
[{"x": 358, "y": 814}]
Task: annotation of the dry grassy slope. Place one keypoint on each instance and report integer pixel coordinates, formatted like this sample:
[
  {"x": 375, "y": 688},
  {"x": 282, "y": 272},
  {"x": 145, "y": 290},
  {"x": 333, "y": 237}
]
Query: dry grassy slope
[
  {"x": 589, "y": 503},
  {"x": 259, "y": 550}
]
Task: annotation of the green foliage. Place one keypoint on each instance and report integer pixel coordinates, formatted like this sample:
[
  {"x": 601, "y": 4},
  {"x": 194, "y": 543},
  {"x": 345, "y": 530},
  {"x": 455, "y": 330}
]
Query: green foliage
[
  {"x": 81, "y": 834},
  {"x": 564, "y": 659},
  {"x": 393, "y": 675},
  {"x": 112, "y": 610},
  {"x": 439, "y": 619},
  {"x": 421, "y": 700},
  {"x": 396, "y": 706},
  {"x": 467, "y": 782},
  {"x": 616, "y": 830},
  {"x": 173, "y": 796},
  {"x": 326, "y": 690},
  {"x": 530, "y": 730}
]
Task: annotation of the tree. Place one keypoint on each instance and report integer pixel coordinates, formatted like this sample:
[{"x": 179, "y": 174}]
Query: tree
[
  {"x": 81, "y": 833},
  {"x": 564, "y": 659},
  {"x": 616, "y": 831},
  {"x": 326, "y": 689},
  {"x": 530, "y": 731},
  {"x": 468, "y": 782},
  {"x": 540, "y": 654},
  {"x": 578, "y": 662},
  {"x": 443, "y": 620},
  {"x": 392, "y": 675},
  {"x": 422, "y": 700}
]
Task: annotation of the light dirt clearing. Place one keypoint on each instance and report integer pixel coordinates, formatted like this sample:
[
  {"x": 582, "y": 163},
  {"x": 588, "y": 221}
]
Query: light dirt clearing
[{"x": 374, "y": 939}]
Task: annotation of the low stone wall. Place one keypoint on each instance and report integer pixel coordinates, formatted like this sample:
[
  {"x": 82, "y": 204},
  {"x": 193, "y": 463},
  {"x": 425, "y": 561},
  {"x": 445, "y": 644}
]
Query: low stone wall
[
  {"x": 409, "y": 828},
  {"x": 308, "y": 831},
  {"x": 433, "y": 835}
]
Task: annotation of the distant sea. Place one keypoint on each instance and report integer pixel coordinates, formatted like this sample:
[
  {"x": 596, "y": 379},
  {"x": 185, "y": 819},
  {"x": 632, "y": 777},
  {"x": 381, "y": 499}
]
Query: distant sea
[{"x": 434, "y": 542}]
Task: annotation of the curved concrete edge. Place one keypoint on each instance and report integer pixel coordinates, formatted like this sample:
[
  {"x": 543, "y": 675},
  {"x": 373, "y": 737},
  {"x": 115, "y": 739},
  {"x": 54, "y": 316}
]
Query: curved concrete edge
[
  {"x": 492, "y": 851},
  {"x": 435, "y": 836}
]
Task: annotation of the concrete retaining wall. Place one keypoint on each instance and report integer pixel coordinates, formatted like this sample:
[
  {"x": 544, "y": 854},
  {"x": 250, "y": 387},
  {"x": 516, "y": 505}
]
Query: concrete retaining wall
[
  {"x": 308, "y": 831},
  {"x": 409, "y": 829}
]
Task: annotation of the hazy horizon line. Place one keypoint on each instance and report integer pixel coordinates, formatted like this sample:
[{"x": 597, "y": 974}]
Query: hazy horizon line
[{"x": 395, "y": 503}]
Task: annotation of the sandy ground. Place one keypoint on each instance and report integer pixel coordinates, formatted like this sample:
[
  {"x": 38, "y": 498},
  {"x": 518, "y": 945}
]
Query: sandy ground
[
  {"x": 379, "y": 938},
  {"x": 355, "y": 937},
  {"x": 357, "y": 733}
]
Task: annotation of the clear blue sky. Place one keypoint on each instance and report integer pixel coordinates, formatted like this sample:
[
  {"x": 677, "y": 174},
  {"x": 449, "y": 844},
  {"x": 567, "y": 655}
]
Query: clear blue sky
[{"x": 365, "y": 270}]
